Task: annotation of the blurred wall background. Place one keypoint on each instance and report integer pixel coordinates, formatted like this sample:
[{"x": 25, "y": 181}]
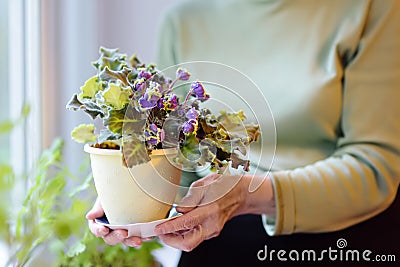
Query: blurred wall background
[{"x": 72, "y": 32}]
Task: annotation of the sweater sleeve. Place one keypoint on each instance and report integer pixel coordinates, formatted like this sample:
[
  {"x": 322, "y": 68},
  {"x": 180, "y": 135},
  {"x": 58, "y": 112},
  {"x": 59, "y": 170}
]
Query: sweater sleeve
[{"x": 361, "y": 178}]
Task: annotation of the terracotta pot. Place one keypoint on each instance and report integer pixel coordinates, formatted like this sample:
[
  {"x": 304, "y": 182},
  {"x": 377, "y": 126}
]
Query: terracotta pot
[{"x": 142, "y": 193}]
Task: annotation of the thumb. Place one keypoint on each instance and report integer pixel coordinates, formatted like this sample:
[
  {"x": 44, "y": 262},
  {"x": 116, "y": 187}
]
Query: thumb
[
  {"x": 96, "y": 212},
  {"x": 192, "y": 199},
  {"x": 196, "y": 193}
]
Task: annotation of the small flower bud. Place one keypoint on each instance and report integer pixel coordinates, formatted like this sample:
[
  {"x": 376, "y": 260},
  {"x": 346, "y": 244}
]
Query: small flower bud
[
  {"x": 182, "y": 74},
  {"x": 199, "y": 91}
]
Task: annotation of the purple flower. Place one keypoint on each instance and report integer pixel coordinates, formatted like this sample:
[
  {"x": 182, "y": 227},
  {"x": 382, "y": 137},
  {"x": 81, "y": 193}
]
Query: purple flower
[
  {"x": 147, "y": 102},
  {"x": 198, "y": 91},
  {"x": 189, "y": 126},
  {"x": 192, "y": 114},
  {"x": 182, "y": 74},
  {"x": 168, "y": 102},
  {"x": 143, "y": 73},
  {"x": 153, "y": 134},
  {"x": 181, "y": 112},
  {"x": 151, "y": 96},
  {"x": 139, "y": 84}
]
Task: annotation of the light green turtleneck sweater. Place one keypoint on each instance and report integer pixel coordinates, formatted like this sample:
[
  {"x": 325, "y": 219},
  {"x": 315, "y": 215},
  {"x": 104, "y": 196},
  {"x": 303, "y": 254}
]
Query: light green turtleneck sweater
[{"x": 330, "y": 71}]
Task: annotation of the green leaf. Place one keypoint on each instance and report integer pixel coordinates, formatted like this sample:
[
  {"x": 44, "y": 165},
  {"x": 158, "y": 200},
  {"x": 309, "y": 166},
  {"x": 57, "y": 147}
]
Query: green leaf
[
  {"x": 74, "y": 103},
  {"x": 191, "y": 148},
  {"x": 208, "y": 124},
  {"x": 134, "y": 121},
  {"x": 54, "y": 185},
  {"x": 93, "y": 109},
  {"x": 115, "y": 120},
  {"x": 238, "y": 160},
  {"x": 125, "y": 121},
  {"x": 90, "y": 88},
  {"x": 134, "y": 151},
  {"x": 6, "y": 127},
  {"x": 26, "y": 109},
  {"x": 7, "y": 177},
  {"x": 134, "y": 61},
  {"x": 112, "y": 75},
  {"x": 208, "y": 151},
  {"x": 253, "y": 132},
  {"x": 76, "y": 249},
  {"x": 117, "y": 95},
  {"x": 234, "y": 118},
  {"x": 110, "y": 58},
  {"x": 87, "y": 105},
  {"x": 107, "y": 135},
  {"x": 84, "y": 133},
  {"x": 189, "y": 153},
  {"x": 82, "y": 187},
  {"x": 51, "y": 155}
]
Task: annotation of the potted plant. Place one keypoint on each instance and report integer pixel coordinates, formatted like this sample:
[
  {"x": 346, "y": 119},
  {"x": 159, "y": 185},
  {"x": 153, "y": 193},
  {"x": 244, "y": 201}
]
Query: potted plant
[{"x": 149, "y": 134}]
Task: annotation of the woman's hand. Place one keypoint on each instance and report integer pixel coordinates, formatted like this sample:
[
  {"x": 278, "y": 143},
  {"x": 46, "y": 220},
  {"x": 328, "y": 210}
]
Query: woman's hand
[
  {"x": 209, "y": 204},
  {"x": 111, "y": 237}
]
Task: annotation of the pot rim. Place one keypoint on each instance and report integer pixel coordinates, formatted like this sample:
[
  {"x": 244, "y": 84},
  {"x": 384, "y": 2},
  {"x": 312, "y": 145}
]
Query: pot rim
[{"x": 114, "y": 152}]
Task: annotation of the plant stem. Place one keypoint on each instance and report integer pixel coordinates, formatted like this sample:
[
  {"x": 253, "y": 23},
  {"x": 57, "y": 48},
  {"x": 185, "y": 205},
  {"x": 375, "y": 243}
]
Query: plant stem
[
  {"x": 187, "y": 97},
  {"x": 172, "y": 85}
]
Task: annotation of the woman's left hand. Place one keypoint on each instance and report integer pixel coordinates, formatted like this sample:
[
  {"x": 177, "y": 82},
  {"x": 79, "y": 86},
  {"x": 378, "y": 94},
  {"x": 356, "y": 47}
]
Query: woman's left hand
[{"x": 209, "y": 204}]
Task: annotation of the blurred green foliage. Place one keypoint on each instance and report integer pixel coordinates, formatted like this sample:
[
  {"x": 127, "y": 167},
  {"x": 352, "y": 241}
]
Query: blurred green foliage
[{"x": 46, "y": 207}]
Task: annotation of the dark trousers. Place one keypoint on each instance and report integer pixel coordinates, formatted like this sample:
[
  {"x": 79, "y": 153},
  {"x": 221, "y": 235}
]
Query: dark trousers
[{"x": 244, "y": 242}]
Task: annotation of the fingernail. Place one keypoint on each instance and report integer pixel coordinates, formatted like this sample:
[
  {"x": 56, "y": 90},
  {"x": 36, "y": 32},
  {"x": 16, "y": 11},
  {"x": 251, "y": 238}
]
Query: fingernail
[{"x": 132, "y": 243}]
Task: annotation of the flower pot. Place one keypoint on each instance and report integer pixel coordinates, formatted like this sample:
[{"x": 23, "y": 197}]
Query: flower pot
[{"x": 142, "y": 193}]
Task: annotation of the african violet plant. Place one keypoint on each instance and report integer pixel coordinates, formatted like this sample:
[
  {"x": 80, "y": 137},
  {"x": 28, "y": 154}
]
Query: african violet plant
[{"x": 141, "y": 111}]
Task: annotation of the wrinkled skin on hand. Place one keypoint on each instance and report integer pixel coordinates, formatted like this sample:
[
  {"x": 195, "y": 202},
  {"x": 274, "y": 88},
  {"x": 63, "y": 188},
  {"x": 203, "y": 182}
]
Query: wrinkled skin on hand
[{"x": 209, "y": 204}]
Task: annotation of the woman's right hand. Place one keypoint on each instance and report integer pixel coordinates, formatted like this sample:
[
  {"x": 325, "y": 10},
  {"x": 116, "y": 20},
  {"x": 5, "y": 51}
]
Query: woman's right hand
[{"x": 111, "y": 237}]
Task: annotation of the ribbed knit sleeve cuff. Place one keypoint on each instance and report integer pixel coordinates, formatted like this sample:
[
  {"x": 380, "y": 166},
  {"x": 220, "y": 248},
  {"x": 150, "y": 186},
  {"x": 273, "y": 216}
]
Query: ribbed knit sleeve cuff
[{"x": 284, "y": 220}]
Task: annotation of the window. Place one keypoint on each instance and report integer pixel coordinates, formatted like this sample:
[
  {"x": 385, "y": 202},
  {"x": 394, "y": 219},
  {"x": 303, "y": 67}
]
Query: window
[
  {"x": 4, "y": 107},
  {"x": 19, "y": 45}
]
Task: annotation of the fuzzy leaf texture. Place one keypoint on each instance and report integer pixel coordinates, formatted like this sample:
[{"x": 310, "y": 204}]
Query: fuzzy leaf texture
[
  {"x": 90, "y": 88},
  {"x": 189, "y": 152},
  {"x": 115, "y": 121},
  {"x": 134, "y": 121},
  {"x": 110, "y": 58},
  {"x": 134, "y": 151},
  {"x": 74, "y": 103},
  {"x": 107, "y": 135},
  {"x": 116, "y": 95},
  {"x": 84, "y": 133},
  {"x": 112, "y": 75}
]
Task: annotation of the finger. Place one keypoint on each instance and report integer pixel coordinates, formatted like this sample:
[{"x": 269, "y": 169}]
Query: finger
[
  {"x": 210, "y": 178},
  {"x": 197, "y": 193},
  {"x": 98, "y": 229},
  {"x": 133, "y": 241},
  {"x": 187, "y": 221},
  {"x": 96, "y": 212},
  {"x": 193, "y": 198},
  {"x": 187, "y": 241},
  {"x": 206, "y": 180},
  {"x": 116, "y": 237}
]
